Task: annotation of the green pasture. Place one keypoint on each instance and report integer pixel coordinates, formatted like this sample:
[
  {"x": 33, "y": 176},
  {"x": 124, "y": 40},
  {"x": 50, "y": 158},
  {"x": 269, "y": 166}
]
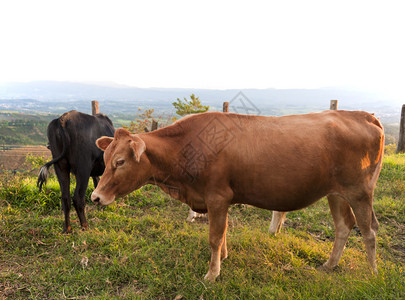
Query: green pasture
[{"x": 142, "y": 247}]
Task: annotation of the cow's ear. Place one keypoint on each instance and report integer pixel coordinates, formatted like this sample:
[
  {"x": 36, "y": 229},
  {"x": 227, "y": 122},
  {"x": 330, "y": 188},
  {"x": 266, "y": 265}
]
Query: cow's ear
[
  {"x": 138, "y": 146},
  {"x": 121, "y": 132},
  {"x": 104, "y": 142}
]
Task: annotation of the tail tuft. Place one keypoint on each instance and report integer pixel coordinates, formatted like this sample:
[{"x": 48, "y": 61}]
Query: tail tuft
[{"x": 43, "y": 176}]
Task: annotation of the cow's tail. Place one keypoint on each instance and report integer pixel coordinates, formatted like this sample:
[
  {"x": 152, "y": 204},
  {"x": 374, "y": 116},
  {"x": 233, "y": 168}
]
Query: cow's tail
[
  {"x": 380, "y": 151},
  {"x": 381, "y": 137},
  {"x": 44, "y": 171}
]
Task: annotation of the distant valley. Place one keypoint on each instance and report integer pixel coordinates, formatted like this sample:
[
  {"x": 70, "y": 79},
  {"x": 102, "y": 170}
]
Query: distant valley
[
  {"x": 58, "y": 97},
  {"x": 45, "y": 100}
]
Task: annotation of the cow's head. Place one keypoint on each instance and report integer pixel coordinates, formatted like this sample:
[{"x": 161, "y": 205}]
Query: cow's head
[{"x": 127, "y": 167}]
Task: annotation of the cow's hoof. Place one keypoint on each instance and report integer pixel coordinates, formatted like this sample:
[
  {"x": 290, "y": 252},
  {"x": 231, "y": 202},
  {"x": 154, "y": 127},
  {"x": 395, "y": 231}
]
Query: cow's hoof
[
  {"x": 85, "y": 227},
  {"x": 67, "y": 230},
  {"x": 324, "y": 268},
  {"x": 210, "y": 277},
  {"x": 374, "y": 271},
  {"x": 224, "y": 254}
]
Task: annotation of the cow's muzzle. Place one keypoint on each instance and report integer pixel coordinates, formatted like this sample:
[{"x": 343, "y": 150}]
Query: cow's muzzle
[
  {"x": 95, "y": 198},
  {"x": 99, "y": 199}
]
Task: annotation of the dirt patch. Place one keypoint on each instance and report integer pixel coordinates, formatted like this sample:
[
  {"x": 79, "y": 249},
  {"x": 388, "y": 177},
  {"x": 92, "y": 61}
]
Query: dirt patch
[{"x": 12, "y": 158}]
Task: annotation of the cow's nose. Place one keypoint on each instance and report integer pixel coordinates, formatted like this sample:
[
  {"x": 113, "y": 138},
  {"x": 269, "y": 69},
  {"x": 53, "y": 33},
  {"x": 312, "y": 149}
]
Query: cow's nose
[{"x": 95, "y": 198}]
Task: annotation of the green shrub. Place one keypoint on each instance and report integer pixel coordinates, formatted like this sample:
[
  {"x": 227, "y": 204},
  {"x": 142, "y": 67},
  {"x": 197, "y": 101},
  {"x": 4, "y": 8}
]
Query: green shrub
[
  {"x": 21, "y": 192},
  {"x": 35, "y": 161}
]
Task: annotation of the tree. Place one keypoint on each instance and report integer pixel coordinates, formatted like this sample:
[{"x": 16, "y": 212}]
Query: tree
[
  {"x": 143, "y": 121},
  {"x": 192, "y": 106}
]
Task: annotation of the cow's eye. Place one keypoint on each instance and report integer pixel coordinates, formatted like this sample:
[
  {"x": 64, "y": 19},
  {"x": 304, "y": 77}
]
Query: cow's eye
[{"x": 119, "y": 162}]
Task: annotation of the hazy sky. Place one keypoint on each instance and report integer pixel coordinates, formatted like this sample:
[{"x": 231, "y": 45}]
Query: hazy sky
[{"x": 206, "y": 44}]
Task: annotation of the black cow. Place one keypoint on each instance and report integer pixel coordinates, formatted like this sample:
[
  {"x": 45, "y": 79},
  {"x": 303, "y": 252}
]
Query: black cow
[{"x": 72, "y": 140}]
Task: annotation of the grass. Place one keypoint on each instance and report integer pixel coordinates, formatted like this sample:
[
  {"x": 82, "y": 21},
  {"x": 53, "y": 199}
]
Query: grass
[{"x": 142, "y": 248}]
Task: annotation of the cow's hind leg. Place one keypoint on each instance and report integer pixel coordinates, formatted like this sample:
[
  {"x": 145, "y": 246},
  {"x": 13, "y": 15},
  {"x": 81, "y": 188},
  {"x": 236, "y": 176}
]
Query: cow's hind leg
[
  {"x": 82, "y": 181},
  {"x": 344, "y": 221},
  {"x": 277, "y": 221},
  {"x": 368, "y": 224},
  {"x": 63, "y": 173}
]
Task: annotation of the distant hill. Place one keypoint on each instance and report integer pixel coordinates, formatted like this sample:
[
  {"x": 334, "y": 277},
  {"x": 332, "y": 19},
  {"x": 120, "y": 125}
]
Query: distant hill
[
  {"x": 58, "y": 97},
  {"x": 23, "y": 129}
]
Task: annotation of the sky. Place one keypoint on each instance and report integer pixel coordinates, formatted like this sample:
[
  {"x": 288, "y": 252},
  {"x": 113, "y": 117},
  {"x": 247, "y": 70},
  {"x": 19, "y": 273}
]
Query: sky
[{"x": 206, "y": 44}]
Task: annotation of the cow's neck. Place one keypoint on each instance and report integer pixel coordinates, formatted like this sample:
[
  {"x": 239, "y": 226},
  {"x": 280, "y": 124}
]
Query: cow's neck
[{"x": 163, "y": 153}]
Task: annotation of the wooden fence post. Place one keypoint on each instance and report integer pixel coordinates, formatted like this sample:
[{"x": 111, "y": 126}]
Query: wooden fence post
[
  {"x": 333, "y": 104},
  {"x": 154, "y": 125},
  {"x": 401, "y": 139},
  {"x": 225, "y": 107},
  {"x": 94, "y": 107}
]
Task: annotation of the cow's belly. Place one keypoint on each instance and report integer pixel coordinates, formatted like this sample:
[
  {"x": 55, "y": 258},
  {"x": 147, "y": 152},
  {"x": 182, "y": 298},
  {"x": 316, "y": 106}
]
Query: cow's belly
[
  {"x": 275, "y": 201},
  {"x": 282, "y": 193}
]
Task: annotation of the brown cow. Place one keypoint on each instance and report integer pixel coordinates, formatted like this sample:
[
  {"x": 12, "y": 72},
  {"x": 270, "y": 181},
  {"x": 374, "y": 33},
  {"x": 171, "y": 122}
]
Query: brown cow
[{"x": 213, "y": 160}]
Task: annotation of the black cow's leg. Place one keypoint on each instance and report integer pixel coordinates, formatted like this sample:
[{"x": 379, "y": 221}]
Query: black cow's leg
[
  {"x": 82, "y": 181},
  {"x": 63, "y": 173},
  {"x": 96, "y": 180}
]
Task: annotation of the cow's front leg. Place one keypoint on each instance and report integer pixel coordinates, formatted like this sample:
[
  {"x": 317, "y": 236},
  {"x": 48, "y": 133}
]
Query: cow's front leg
[
  {"x": 96, "y": 180},
  {"x": 218, "y": 221},
  {"x": 224, "y": 250}
]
